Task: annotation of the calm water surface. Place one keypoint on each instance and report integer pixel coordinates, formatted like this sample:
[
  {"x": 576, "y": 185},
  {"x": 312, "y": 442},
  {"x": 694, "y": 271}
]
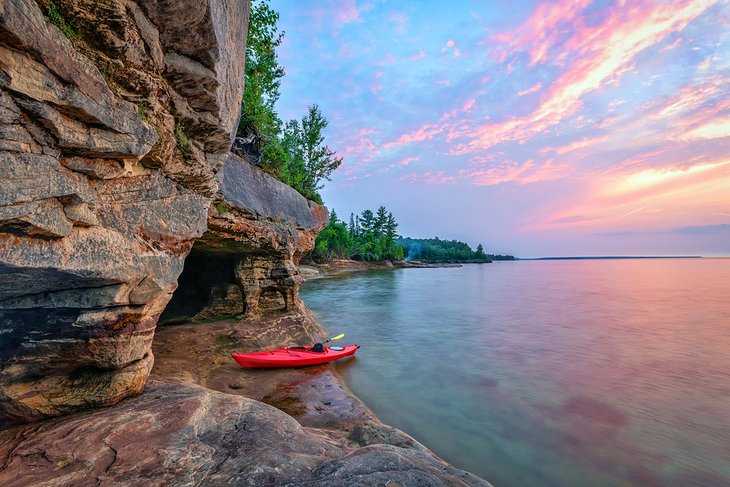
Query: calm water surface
[{"x": 548, "y": 373}]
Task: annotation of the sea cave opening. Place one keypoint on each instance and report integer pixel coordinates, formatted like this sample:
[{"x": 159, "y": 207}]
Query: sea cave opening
[{"x": 207, "y": 289}]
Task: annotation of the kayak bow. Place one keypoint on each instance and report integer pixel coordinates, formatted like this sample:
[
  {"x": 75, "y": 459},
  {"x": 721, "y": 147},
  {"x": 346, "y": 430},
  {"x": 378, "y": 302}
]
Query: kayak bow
[{"x": 292, "y": 357}]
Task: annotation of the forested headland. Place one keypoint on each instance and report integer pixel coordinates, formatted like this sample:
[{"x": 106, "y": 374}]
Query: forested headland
[
  {"x": 438, "y": 250},
  {"x": 373, "y": 236}
]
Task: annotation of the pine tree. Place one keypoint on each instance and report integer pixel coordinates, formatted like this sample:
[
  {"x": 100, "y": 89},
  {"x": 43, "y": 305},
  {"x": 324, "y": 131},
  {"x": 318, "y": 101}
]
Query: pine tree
[
  {"x": 381, "y": 217},
  {"x": 367, "y": 222},
  {"x": 319, "y": 160},
  {"x": 351, "y": 226},
  {"x": 479, "y": 254},
  {"x": 390, "y": 227}
]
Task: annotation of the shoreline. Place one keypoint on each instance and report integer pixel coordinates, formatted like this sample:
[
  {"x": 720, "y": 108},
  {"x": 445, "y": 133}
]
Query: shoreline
[
  {"x": 316, "y": 396},
  {"x": 219, "y": 423},
  {"x": 342, "y": 266}
]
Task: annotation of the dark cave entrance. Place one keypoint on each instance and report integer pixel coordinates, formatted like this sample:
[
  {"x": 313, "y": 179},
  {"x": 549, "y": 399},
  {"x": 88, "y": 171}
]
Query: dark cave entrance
[{"x": 207, "y": 289}]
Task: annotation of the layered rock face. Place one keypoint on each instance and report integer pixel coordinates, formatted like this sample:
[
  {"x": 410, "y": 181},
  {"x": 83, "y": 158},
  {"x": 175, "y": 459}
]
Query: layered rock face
[
  {"x": 112, "y": 133},
  {"x": 246, "y": 262}
]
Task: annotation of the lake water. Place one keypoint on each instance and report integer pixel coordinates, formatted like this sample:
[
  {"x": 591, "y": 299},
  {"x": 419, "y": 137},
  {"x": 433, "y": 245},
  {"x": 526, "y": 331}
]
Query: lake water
[{"x": 547, "y": 373}]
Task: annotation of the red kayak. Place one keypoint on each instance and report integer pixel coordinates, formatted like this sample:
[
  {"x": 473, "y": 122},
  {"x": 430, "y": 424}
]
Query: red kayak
[{"x": 292, "y": 357}]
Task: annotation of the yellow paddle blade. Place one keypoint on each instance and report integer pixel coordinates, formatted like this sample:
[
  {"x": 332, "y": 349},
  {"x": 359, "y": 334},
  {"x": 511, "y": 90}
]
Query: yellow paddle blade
[{"x": 338, "y": 336}]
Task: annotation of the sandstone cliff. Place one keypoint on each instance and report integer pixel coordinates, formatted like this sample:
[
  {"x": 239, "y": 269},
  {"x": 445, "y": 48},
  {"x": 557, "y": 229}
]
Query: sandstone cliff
[
  {"x": 121, "y": 209},
  {"x": 112, "y": 132}
]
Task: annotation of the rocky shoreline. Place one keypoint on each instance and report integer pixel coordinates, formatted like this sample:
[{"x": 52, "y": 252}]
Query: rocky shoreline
[
  {"x": 202, "y": 420},
  {"x": 341, "y": 266}
]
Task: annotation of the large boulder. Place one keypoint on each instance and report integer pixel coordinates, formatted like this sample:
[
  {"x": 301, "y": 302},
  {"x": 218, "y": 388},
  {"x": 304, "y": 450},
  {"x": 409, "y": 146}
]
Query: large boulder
[{"x": 112, "y": 129}]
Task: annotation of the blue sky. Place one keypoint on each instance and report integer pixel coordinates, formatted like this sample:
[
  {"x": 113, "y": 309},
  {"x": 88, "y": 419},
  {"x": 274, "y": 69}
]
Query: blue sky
[{"x": 536, "y": 128}]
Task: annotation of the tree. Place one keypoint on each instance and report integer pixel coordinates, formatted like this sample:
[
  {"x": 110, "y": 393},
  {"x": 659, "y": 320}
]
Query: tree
[
  {"x": 261, "y": 89},
  {"x": 263, "y": 73},
  {"x": 479, "y": 254},
  {"x": 293, "y": 152},
  {"x": 351, "y": 228},
  {"x": 390, "y": 233},
  {"x": 368, "y": 236},
  {"x": 367, "y": 222},
  {"x": 381, "y": 216},
  {"x": 292, "y": 168},
  {"x": 319, "y": 160}
]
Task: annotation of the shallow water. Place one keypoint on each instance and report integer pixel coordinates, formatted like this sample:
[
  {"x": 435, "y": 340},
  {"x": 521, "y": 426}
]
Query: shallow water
[{"x": 548, "y": 373}]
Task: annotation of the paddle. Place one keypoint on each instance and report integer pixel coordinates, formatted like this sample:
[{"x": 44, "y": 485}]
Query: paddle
[{"x": 341, "y": 335}]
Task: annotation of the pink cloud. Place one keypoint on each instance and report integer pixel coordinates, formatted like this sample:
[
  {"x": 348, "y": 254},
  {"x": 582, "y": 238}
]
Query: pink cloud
[
  {"x": 603, "y": 53},
  {"x": 408, "y": 160},
  {"x": 533, "y": 89},
  {"x": 419, "y": 55},
  {"x": 346, "y": 11},
  {"x": 425, "y": 132},
  {"x": 638, "y": 195},
  {"x": 428, "y": 177},
  {"x": 585, "y": 142},
  {"x": 389, "y": 59},
  {"x": 543, "y": 29},
  {"x": 513, "y": 172},
  {"x": 449, "y": 45},
  {"x": 468, "y": 105},
  {"x": 673, "y": 45},
  {"x": 400, "y": 20}
]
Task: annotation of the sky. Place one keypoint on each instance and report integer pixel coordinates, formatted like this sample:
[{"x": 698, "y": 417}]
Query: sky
[{"x": 565, "y": 127}]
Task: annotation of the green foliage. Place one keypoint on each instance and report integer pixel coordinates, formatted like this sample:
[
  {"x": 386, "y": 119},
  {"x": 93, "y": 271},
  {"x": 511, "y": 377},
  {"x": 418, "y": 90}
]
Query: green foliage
[
  {"x": 319, "y": 160},
  {"x": 56, "y": 15},
  {"x": 479, "y": 253},
  {"x": 142, "y": 112},
  {"x": 263, "y": 74},
  {"x": 294, "y": 152},
  {"x": 437, "y": 250},
  {"x": 369, "y": 236},
  {"x": 222, "y": 208},
  {"x": 181, "y": 136}
]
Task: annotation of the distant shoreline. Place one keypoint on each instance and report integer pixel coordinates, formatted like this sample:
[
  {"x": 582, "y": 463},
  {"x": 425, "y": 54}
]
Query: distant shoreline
[
  {"x": 614, "y": 257},
  {"x": 340, "y": 266}
]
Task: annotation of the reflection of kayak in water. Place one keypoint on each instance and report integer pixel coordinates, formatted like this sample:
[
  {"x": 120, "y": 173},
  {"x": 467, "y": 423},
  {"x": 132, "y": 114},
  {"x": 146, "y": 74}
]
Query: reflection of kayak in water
[{"x": 293, "y": 356}]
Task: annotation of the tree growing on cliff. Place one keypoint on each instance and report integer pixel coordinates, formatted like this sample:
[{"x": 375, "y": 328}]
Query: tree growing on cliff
[
  {"x": 319, "y": 160},
  {"x": 263, "y": 74},
  {"x": 294, "y": 152}
]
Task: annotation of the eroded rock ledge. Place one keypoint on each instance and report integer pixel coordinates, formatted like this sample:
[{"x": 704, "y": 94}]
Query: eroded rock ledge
[{"x": 246, "y": 262}]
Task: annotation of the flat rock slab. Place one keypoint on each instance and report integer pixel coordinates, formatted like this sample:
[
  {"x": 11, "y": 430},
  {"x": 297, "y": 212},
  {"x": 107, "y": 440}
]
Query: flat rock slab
[
  {"x": 183, "y": 434},
  {"x": 201, "y": 353}
]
